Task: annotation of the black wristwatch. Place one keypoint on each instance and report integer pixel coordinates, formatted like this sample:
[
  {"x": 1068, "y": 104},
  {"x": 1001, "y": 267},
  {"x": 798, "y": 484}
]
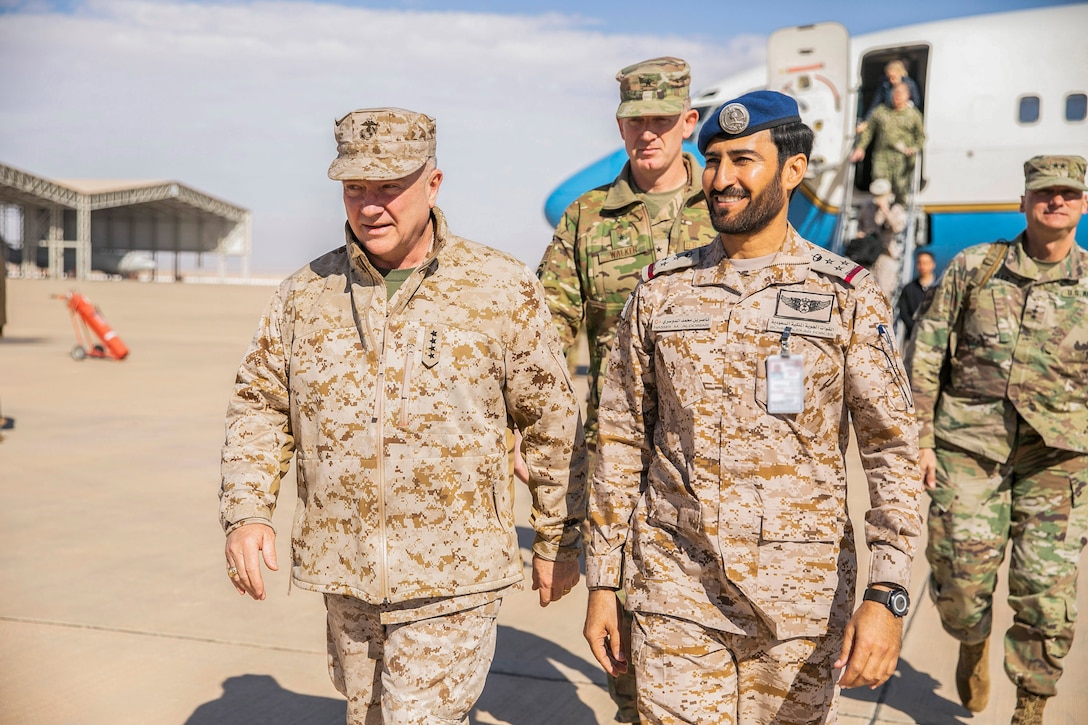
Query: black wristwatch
[{"x": 897, "y": 601}]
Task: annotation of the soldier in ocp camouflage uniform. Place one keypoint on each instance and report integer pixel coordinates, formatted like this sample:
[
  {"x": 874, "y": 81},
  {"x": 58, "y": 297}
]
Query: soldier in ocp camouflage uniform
[
  {"x": 1009, "y": 427},
  {"x": 391, "y": 369},
  {"x": 655, "y": 207},
  {"x": 899, "y": 136},
  {"x": 719, "y": 497}
]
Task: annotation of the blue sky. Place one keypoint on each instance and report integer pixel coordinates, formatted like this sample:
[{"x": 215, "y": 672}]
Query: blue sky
[
  {"x": 237, "y": 98},
  {"x": 636, "y": 16}
]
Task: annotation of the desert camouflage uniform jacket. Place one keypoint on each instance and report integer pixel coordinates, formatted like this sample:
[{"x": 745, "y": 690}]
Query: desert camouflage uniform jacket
[
  {"x": 398, "y": 415},
  {"x": 724, "y": 511},
  {"x": 1022, "y": 350},
  {"x": 600, "y": 245}
]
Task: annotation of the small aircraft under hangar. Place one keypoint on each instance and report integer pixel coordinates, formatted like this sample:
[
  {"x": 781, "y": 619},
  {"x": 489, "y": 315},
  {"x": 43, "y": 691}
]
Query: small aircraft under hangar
[{"x": 118, "y": 227}]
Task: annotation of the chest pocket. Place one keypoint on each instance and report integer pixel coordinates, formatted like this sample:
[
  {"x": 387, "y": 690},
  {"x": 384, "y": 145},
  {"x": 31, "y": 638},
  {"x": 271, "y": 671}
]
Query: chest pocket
[
  {"x": 615, "y": 254},
  {"x": 1072, "y": 311},
  {"x": 450, "y": 380},
  {"x": 989, "y": 322},
  {"x": 824, "y": 365},
  {"x": 689, "y": 363}
]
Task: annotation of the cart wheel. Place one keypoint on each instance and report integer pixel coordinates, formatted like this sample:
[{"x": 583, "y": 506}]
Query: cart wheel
[
  {"x": 99, "y": 351},
  {"x": 78, "y": 353}
]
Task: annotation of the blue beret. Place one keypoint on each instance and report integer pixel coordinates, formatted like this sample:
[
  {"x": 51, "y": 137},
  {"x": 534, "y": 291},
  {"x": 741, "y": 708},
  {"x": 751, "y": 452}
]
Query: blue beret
[{"x": 748, "y": 114}]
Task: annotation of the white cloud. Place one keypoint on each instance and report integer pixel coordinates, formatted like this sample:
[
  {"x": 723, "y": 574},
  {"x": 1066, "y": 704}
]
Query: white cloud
[{"x": 238, "y": 100}]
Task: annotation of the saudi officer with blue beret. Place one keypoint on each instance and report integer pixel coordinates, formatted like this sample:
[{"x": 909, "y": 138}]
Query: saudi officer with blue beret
[{"x": 719, "y": 500}]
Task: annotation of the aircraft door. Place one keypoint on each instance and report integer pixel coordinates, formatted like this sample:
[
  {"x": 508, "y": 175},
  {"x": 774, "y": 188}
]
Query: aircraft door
[{"x": 811, "y": 63}]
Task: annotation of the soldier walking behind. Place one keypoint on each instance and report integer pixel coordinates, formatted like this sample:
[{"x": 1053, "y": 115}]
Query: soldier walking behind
[
  {"x": 1004, "y": 437},
  {"x": 390, "y": 368},
  {"x": 899, "y": 134},
  {"x": 719, "y": 496},
  {"x": 655, "y": 207}
]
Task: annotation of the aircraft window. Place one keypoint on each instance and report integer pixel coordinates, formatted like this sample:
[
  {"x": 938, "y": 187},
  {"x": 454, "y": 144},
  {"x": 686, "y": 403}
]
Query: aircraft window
[
  {"x": 1029, "y": 109},
  {"x": 1076, "y": 107}
]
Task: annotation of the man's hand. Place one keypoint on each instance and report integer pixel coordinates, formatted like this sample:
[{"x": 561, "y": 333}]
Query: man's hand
[
  {"x": 927, "y": 461},
  {"x": 246, "y": 546},
  {"x": 602, "y": 631},
  {"x": 553, "y": 578},
  {"x": 870, "y": 649},
  {"x": 857, "y": 155}
]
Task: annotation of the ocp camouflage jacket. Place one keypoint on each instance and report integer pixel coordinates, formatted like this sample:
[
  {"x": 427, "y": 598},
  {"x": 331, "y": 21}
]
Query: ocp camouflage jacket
[
  {"x": 398, "y": 415},
  {"x": 600, "y": 245},
  {"x": 1022, "y": 350}
]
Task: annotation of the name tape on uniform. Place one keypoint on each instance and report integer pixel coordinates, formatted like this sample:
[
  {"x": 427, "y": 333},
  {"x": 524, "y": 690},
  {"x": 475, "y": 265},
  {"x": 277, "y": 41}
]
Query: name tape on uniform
[{"x": 672, "y": 323}]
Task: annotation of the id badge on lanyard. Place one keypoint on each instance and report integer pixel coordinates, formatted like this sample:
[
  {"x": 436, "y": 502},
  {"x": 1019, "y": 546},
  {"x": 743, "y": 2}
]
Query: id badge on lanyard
[{"x": 785, "y": 380}]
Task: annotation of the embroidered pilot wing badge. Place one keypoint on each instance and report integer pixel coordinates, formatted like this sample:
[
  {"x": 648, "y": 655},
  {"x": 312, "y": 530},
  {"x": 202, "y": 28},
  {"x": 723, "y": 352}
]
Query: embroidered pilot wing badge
[
  {"x": 805, "y": 305},
  {"x": 806, "y": 313},
  {"x": 432, "y": 346}
]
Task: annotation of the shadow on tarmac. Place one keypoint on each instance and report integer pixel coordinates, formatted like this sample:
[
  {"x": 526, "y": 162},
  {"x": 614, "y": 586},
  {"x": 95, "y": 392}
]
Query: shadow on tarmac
[
  {"x": 546, "y": 671},
  {"x": 260, "y": 699},
  {"x": 544, "y": 668},
  {"x": 913, "y": 693}
]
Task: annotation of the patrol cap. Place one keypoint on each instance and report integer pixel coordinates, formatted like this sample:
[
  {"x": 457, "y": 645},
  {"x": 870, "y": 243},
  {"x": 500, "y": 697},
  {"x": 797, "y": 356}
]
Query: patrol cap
[
  {"x": 381, "y": 143},
  {"x": 1043, "y": 172},
  {"x": 751, "y": 113},
  {"x": 655, "y": 87}
]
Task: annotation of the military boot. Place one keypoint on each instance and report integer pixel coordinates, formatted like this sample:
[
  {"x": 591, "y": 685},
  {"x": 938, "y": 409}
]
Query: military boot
[
  {"x": 973, "y": 675},
  {"x": 1029, "y": 708}
]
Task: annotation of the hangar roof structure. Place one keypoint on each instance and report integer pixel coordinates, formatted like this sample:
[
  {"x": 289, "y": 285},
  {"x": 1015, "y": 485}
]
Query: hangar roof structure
[{"x": 105, "y": 218}]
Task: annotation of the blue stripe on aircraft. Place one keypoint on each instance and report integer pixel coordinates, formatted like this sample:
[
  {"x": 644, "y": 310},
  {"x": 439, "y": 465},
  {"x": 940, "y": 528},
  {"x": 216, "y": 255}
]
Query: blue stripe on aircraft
[{"x": 949, "y": 232}]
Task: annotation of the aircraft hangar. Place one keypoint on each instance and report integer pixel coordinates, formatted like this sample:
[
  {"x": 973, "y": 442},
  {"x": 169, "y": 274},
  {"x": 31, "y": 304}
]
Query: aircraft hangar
[{"x": 106, "y": 223}]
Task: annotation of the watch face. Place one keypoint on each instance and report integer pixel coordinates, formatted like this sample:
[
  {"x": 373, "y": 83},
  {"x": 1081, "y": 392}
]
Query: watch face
[{"x": 899, "y": 603}]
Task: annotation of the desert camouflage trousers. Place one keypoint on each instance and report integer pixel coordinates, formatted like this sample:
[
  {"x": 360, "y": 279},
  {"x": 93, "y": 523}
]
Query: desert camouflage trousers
[
  {"x": 428, "y": 672},
  {"x": 689, "y": 674},
  {"x": 1039, "y": 502}
]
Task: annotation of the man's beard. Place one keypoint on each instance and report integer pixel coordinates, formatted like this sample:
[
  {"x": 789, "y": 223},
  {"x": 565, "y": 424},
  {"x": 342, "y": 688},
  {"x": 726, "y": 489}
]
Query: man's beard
[{"x": 757, "y": 215}]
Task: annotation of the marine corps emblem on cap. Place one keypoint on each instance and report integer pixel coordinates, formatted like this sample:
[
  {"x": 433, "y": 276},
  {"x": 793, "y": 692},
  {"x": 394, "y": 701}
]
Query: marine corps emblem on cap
[
  {"x": 381, "y": 143},
  {"x": 733, "y": 118},
  {"x": 1043, "y": 172},
  {"x": 655, "y": 87}
]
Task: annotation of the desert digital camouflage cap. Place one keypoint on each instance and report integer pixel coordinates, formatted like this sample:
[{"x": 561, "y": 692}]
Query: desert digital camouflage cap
[
  {"x": 382, "y": 143},
  {"x": 655, "y": 87},
  {"x": 1042, "y": 172},
  {"x": 751, "y": 113}
]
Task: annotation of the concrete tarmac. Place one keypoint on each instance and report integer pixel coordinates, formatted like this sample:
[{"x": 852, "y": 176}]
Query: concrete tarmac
[{"x": 114, "y": 603}]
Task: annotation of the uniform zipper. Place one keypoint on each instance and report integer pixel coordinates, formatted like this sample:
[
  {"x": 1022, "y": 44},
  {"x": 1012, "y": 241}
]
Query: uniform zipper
[{"x": 405, "y": 386}]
